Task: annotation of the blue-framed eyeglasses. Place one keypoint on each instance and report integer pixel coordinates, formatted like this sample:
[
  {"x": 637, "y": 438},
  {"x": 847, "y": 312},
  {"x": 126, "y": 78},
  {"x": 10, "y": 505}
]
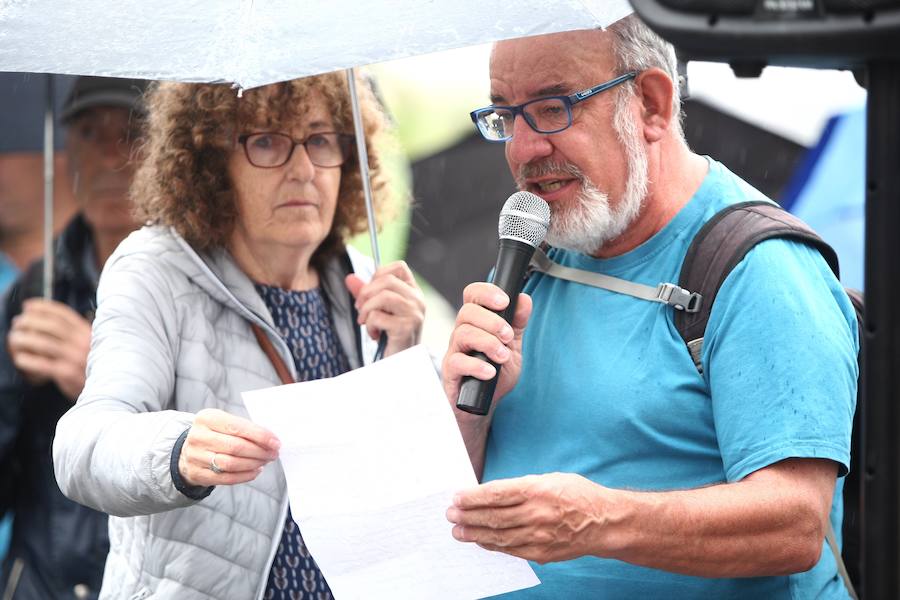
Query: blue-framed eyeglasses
[{"x": 550, "y": 114}]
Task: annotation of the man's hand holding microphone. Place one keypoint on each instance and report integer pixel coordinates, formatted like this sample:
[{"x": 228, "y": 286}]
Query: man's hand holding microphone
[{"x": 484, "y": 357}]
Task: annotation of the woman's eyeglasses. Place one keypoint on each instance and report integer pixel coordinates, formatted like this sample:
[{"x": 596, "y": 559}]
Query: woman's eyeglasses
[{"x": 268, "y": 150}]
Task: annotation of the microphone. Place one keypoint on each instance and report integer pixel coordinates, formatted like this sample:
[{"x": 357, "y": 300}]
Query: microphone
[{"x": 524, "y": 221}]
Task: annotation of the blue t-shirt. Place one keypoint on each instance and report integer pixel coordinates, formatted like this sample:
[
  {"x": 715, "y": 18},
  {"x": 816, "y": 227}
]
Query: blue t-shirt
[{"x": 608, "y": 390}]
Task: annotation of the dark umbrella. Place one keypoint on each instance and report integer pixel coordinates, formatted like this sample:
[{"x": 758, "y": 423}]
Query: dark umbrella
[
  {"x": 29, "y": 103},
  {"x": 23, "y": 102}
]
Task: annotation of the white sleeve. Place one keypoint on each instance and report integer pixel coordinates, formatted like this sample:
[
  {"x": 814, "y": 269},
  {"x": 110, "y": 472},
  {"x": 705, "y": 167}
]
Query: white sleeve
[{"x": 112, "y": 450}]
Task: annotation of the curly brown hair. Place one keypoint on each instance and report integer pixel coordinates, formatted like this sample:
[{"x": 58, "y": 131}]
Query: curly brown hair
[{"x": 182, "y": 180}]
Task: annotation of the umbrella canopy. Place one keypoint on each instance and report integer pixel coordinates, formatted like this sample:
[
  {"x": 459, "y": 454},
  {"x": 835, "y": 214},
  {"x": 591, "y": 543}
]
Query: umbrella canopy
[{"x": 255, "y": 43}]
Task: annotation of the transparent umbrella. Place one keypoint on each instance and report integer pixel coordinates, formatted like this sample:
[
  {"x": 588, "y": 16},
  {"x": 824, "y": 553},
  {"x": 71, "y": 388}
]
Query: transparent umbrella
[
  {"x": 251, "y": 43},
  {"x": 254, "y": 43}
]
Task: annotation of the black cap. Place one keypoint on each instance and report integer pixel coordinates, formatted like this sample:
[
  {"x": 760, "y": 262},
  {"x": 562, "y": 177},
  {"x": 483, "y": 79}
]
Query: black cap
[{"x": 90, "y": 92}]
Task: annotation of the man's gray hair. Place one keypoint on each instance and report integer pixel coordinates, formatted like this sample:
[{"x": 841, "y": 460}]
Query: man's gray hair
[{"x": 638, "y": 48}]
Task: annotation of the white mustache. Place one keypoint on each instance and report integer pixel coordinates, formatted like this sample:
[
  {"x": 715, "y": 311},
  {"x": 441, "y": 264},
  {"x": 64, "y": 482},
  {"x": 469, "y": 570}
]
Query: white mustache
[{"x": 547, "y": 167}]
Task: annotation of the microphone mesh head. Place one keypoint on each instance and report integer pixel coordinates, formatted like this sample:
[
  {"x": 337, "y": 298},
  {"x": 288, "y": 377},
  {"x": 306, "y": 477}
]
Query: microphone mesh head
[{"x": 525, "y": 217}]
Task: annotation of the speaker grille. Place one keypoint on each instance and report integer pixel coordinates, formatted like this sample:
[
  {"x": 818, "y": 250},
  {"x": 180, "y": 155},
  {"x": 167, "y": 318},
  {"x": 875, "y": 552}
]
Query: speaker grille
[
  {"x": 846, "y": 6},
  {"x": 718, "y": 7},
  {"x": 749, "y": 7}
]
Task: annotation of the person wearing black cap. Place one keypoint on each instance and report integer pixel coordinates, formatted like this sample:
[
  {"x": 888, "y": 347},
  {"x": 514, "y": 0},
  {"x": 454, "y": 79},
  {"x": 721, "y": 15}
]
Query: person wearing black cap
[
  {"x": 59, "y": 547},
  {"x": 23, "y": 100}
]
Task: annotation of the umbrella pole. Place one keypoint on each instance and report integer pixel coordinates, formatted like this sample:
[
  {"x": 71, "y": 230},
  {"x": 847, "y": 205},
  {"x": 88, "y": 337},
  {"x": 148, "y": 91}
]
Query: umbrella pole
[
  {"x": 48, "y": 191},
  {"x": 363, "y": 164},
  {"x": 363, "y": 155}
]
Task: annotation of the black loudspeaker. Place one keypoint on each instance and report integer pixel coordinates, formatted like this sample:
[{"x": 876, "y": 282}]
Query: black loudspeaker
[
  {"x": 750, "y": 34},
  {"x": 864, "y": 36}
]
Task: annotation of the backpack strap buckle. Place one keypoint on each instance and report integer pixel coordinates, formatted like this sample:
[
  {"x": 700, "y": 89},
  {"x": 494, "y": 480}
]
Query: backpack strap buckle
[{"x": 678, "y": 297}]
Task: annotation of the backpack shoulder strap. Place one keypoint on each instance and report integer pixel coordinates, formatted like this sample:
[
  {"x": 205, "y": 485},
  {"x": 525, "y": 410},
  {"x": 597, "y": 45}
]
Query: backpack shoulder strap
[{"x": 720, "y": 245}]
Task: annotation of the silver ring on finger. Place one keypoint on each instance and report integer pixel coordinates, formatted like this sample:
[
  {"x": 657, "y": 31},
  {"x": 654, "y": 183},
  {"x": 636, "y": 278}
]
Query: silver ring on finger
[{"x": 214, "y": 467}]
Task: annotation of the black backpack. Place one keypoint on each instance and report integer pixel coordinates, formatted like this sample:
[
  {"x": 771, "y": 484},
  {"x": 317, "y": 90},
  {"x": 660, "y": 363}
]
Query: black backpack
[{"x": 716, "y": 249}]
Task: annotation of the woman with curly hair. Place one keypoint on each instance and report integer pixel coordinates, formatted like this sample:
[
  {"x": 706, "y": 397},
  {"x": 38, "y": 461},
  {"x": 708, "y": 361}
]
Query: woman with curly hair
[{"x": 240, "y": 280}]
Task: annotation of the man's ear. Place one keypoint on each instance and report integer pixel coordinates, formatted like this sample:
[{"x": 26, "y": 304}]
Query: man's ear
[{"x": 655, "y": 91}]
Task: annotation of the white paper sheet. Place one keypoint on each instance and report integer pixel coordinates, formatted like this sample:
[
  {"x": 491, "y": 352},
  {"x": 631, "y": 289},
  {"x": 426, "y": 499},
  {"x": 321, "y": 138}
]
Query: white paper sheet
[{"x": 372, "y": 459}]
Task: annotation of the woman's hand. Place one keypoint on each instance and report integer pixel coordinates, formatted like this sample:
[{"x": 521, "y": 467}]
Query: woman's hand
[
  {"x": 391, "y": 302},
  {"x": 222, "y": 449}
]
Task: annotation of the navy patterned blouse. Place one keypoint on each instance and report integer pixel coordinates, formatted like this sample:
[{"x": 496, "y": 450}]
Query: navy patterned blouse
[{"x": 304, "y": 321}]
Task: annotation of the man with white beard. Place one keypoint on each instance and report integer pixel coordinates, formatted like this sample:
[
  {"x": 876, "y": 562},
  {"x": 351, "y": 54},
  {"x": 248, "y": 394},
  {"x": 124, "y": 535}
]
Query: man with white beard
[{"x": 610, "y": 461}]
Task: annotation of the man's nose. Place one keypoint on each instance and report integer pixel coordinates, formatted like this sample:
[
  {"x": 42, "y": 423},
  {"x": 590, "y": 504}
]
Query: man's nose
[
  {"x": 526, "y": 144},
  {"x": 114, "y": 151}
]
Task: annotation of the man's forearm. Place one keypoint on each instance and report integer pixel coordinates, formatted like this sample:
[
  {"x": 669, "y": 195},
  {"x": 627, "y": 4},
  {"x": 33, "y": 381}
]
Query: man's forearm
[
  {"x": 474, "y": 430},
  {"x": 769, "y": 524}
]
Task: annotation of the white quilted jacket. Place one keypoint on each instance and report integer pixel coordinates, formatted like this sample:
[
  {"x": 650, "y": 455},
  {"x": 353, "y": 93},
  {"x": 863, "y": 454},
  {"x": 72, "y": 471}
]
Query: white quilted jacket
[{"x": 172, "y": 336}]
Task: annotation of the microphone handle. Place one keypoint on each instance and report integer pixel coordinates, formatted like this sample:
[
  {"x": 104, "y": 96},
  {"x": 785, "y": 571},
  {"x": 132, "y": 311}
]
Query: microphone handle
[{"x": 476, "y": 395}]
